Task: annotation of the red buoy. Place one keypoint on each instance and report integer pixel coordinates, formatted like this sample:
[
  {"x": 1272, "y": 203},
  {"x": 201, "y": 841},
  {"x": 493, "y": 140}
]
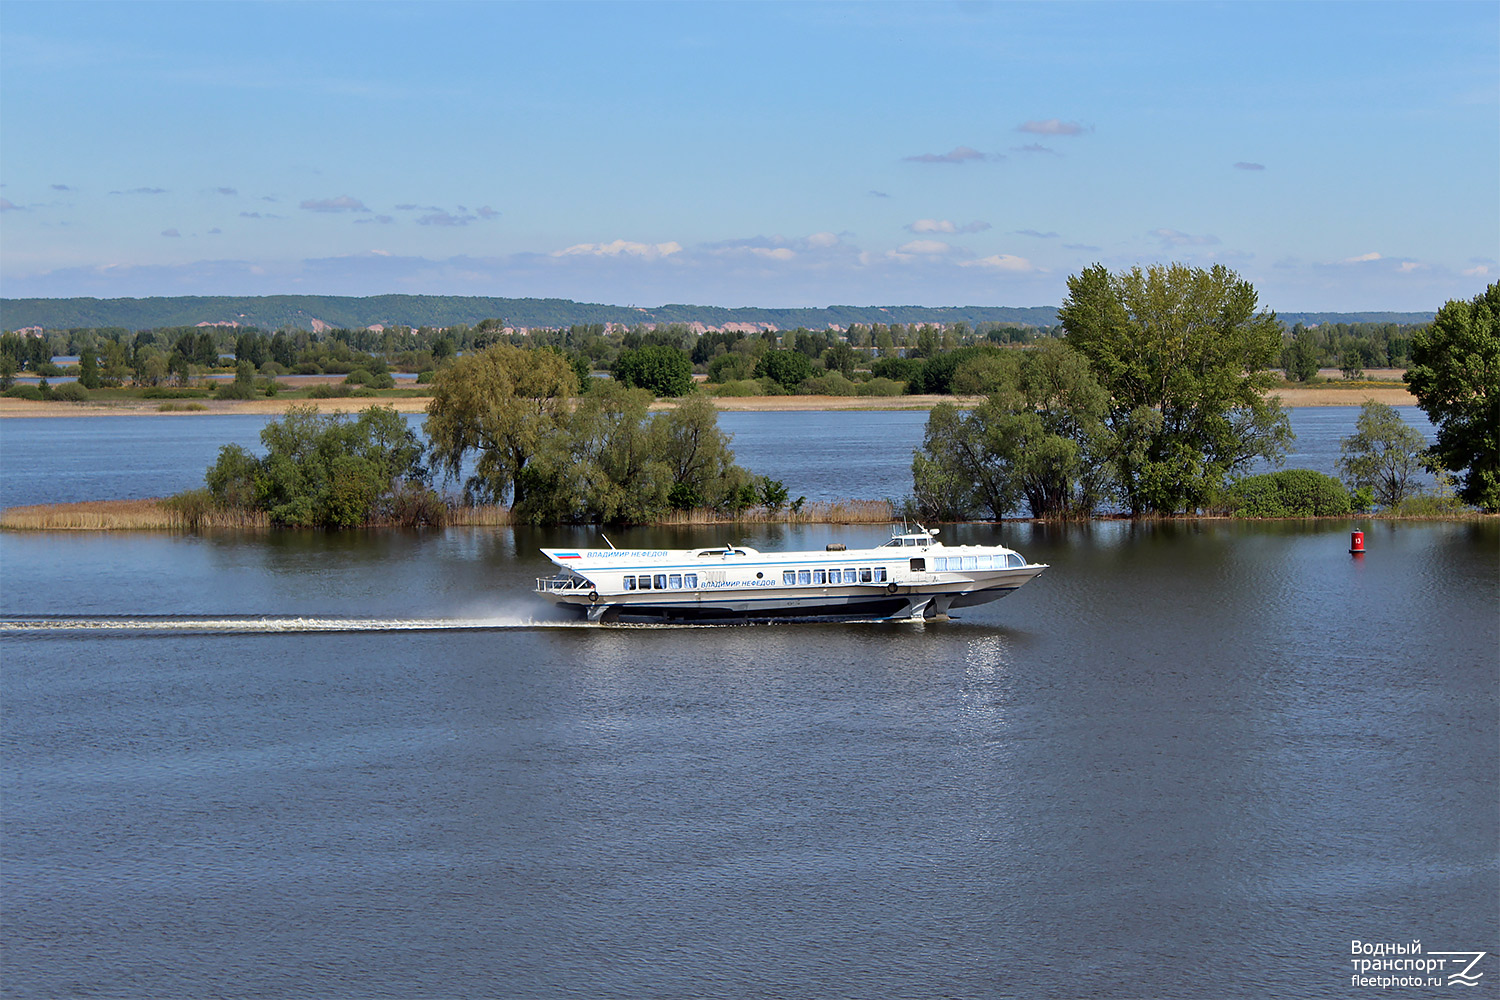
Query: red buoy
[{"x": 1357, "y": 543}]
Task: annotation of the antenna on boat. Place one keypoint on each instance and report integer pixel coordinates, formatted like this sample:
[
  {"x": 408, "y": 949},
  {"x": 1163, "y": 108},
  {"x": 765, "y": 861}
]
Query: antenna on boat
[{"x": 606, "y": 539}]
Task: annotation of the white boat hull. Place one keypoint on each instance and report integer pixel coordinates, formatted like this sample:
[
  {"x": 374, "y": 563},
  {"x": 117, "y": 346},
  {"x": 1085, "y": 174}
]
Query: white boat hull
[{"x": 737, "y": 584}]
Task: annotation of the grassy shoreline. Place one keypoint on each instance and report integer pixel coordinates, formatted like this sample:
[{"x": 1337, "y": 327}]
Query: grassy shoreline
[{"x": 160, "y": 514}]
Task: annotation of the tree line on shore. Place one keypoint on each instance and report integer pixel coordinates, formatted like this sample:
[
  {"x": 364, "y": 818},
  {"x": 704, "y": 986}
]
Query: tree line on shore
[
  {"x": 1152, "y": 400},
  {"x": 858, "y": 359}
]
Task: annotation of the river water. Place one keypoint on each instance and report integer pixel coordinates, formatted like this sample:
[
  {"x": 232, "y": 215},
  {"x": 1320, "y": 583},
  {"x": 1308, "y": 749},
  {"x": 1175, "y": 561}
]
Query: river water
[{"x": 1189, "y": 760}]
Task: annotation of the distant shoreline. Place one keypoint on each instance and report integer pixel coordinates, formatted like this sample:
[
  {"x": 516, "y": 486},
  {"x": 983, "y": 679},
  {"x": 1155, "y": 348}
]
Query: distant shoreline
[{"x": 1323, "y": 394}]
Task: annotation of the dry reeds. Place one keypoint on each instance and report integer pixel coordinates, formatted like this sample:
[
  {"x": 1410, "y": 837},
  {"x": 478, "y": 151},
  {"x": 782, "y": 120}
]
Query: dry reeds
[
  {"x": 480, "y": 516},
  {"x": 124, "y": 515},
  {"x": 818, "y": 512}
]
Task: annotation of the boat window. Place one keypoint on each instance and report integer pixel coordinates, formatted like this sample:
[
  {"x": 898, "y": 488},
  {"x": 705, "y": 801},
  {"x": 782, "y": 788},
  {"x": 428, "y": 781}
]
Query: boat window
[
  {"x": 674, "y": 582},
  {"x": 971, "y": 562},
  {"x": 630, "y": 583},
  {"x": 690, "y": 581},
  {"x": 1017, "y": 560},
  {"x": 985, "y": 562},
  {"x": 880, "y": 574},
  {"x": 835, "y": 576},
  {"x": 850, "y": 574},
  {"x": 804, "y": 577},
  {"x": 865, "y": 576},
  {"x": 661, "y": 581},
  {"x": 789, "y": 577},
  {"x": 644, "y": 582},
  {"x": 919, "y": 565},
  {"x": 820, "y": 576}
]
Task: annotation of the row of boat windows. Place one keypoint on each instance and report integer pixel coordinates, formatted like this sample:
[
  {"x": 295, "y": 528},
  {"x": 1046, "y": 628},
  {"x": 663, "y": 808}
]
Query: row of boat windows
[
  {"x": 662, "y": 581},
  {"x": 813, "y": 577},
  {"x": 943, "y": 564}
]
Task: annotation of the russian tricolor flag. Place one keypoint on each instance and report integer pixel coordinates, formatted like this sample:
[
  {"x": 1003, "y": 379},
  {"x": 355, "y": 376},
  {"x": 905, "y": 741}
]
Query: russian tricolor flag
[{"x": 567, "y": 555}]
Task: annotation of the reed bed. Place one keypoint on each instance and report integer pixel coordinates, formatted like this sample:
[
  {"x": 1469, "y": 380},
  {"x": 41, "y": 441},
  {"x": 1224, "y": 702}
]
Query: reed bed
[
  {"x": 125, "y": 515},
  {"x": 480, "y": 516},
  {"x": 193, "y": 512},
  {"x": 818, "y": 512}
]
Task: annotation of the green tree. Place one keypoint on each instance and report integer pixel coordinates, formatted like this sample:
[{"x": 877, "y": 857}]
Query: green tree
[
  {"x": 323, "y": 470},
  {"x": 1384, "y": 454},
  {"x": 501, "y": 404},
  {"x": 842, "y": 358},
  {"x": 88, "y": 365},
  {"x": 243, "y": 386},
  {"x": 1455, "y": 375},
  {"x": 1041, "y": 437},
  {"x": 1300, "y": 356},
  {"x": 662, "y": 369},
  {"x": 1183, "y": 354},
  {"x": 789, "y": 369},
  {"x": 8, "y": 369},
  {"x": 611, "y": 461}
]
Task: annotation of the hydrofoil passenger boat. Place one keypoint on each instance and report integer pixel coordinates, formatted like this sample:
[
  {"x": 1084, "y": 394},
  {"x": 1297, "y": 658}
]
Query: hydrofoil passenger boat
[{"x": 911, "y": 576}]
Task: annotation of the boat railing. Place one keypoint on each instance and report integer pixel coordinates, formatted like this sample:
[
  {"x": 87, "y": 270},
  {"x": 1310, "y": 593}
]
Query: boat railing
[{"x": 556, "y": 584}]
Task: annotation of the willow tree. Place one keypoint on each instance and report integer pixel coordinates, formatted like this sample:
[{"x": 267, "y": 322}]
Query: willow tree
[
  {"x": 1183, "y": 353},
  {"x": 503, "y": 404},
  {"x": 1040, "y": 437}
]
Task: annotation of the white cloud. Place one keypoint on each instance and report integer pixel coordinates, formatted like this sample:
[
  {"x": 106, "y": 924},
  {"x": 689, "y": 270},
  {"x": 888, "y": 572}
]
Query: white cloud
[
  {"x": 343, "y": 203},
  {"x": 1051, "y": 126},
  {"x": 1363, "y": 258},
  {"x": 6, "y": 205},
  {"x": 958, "y": 154},
  {"x": 1174, "y": 238},
  {"x": 947, "y": 226},
  {"x": 1478, "y": 271},
  {"x": 773, "y": 253},
  {"x": 618, "y": 248},
  {"x": 171, "y": 233},
  {"x": 1408, "y": 266},
  {"x": 924, "y": 248},
  {"x": 822, "y": 240},
  {"x": 1002, "y": 262}
]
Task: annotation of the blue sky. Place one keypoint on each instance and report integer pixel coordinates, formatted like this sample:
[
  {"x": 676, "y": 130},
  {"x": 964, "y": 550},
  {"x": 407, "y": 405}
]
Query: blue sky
[{"x": 1342, "y": 156}]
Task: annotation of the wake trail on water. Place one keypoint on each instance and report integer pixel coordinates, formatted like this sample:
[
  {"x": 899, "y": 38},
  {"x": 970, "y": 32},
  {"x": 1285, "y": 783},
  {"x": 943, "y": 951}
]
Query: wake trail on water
[{"x": 261, "y": 624}]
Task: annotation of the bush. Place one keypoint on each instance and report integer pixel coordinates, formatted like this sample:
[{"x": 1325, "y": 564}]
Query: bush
[
  {"x": 30, "y": 392},
  {"x": 235, "y": 390},
  {"x": 359, "y": 376},
  {"x": 70, "y": 392},
  {"x": 326, "y": 391},
  {"x": 832, "y": 384},
  {"x": 740, "y": 387},
  {"x": 881, "y": 387},
  {"x": 1289, "y": 493},
  {"x": 173, "y": 393},
  {"x": 424, "y": 377}
]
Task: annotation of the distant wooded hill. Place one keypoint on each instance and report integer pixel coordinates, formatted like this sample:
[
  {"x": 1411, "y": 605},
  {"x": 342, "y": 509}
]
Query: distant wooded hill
[{"x": 309, "y": 312}]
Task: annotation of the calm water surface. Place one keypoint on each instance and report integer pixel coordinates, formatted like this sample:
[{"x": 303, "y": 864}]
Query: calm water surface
[{"x": 1187, "y": 761}]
